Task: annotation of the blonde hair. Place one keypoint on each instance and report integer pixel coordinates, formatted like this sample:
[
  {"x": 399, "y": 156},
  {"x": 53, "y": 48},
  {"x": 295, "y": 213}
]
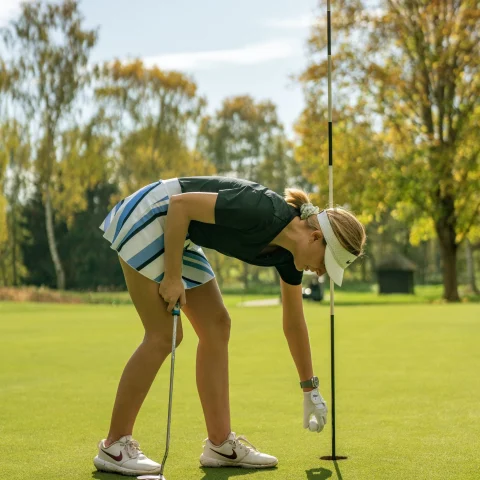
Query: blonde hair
[{"x": 347, "y": 228}]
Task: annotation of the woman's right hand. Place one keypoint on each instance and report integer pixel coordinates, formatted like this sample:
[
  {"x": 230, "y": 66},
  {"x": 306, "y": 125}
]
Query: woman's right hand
[
  {"x": 171, "y": 289},
  {"x": 314, "y": 411}
]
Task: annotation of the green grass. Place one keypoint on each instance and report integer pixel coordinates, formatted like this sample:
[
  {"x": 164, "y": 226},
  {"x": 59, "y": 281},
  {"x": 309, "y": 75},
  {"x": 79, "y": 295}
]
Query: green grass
[
  {"x": 408, "y": 392},
  {"x": 364, "y": 294}
]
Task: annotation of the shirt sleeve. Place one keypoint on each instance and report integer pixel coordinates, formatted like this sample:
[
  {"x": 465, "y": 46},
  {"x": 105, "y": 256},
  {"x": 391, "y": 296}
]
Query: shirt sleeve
[
  {"x": 243, "y": 208},
  {"x": 289, "y": 274}
]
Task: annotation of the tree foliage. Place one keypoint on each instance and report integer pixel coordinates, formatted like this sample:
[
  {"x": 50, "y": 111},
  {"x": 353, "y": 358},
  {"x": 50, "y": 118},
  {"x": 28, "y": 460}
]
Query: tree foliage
[
  {"x": 48, "y": 51},
  {"x": 410, "y": 70},
  {"x": 154, "y": 116}
]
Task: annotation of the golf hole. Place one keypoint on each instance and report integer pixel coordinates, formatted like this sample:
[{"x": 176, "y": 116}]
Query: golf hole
[{"x": 329, "y": 457}]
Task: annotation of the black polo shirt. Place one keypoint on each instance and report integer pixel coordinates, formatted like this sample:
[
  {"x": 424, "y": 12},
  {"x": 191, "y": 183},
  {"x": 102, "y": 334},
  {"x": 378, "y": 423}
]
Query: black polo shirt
[{"x": 248, "y": 216}]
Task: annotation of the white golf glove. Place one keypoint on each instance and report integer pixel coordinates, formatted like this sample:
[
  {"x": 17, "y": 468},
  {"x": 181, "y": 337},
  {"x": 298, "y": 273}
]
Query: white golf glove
[{"x": 314, "y": 411}]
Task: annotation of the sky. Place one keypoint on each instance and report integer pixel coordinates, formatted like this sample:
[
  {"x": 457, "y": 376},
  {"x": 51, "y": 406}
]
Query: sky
[{"x": 229, "y": 47}]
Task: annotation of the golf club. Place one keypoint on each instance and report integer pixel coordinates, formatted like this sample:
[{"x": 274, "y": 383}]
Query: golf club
[{"x": 175, "y": 313}]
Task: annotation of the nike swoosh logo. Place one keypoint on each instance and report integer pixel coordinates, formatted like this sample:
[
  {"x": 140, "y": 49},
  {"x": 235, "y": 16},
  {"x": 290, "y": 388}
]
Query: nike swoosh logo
[
  {"x": 117, "y": 458},
  {"x": 233, "y": 456}
]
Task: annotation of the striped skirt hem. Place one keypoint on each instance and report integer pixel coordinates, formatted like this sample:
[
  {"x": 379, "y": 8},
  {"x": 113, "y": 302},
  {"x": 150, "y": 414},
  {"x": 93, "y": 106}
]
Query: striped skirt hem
[{"x": 135, "y": 229}]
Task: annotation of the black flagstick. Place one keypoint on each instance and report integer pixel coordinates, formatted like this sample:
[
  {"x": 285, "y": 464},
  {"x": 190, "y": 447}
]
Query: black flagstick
[{"x": 330, "y": 201}]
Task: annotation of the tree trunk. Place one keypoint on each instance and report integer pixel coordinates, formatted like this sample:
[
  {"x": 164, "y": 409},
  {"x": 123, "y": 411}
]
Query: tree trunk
[
  {"x": 14, "y": 201},
  {"x": 449, "y": 261},
  {"x": 14, "y": 245},
  {"x": 471, "y": 267},
  {"x": 445, "y": 227},
  {"x": 52, "y": 244}
]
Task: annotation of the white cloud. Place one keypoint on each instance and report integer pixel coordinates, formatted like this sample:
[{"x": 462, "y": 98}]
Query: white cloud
[
  {"x": 9, "y": 9},
  {"x": 247, "y": 55},
  {"x": 294, "y": 23}
]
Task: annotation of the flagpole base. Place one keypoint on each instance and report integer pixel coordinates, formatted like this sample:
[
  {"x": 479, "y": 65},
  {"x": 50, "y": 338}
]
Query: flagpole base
[{"x": 335, "y": 458}]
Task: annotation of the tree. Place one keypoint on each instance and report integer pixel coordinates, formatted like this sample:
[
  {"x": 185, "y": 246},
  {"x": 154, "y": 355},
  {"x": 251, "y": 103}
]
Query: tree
[
  {"x": 154, "y": 117},
  {"x": 87, "y": 161},
  {"x": 411, "y": 69},
  {"x": 15, "y": 156},
  {"x": 469, "y": 252},
  {"x": 48, "y": 56},
  {"x": 89, "y": 262},
  {"x": 246, "y": 139},
  {"x": 3, "y": 218},
  {"x": 240, "y": 135}
]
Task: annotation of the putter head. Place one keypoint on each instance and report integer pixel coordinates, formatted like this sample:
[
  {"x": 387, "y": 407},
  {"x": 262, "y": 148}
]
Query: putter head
[{"x": 151, "y": 477}]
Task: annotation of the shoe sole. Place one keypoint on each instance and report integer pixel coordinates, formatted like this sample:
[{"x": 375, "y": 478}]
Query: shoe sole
[
  {"x": 211, "y": 462},
  {"x": 110, "y": 467}
]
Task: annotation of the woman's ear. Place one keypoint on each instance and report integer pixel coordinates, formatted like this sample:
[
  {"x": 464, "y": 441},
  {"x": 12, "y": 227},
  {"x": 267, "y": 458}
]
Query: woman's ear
[{"x": 315, "y": 236}]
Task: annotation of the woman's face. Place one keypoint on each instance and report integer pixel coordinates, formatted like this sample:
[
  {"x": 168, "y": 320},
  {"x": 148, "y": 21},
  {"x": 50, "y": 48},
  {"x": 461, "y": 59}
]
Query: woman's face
[{"x": 311, "y": 253}]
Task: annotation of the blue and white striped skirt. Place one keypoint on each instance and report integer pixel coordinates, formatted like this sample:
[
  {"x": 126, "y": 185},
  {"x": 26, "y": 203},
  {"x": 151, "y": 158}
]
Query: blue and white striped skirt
[{"x": 135, "y": 230}]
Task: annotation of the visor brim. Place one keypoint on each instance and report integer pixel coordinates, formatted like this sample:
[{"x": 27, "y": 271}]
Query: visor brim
[{"x": 334, "y": 270}]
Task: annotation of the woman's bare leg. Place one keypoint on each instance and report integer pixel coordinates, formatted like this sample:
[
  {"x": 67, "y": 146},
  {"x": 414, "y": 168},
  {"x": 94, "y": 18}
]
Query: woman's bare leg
[
  {"x": 144, "y": 364},
  {"x": 210, "y": 319}
]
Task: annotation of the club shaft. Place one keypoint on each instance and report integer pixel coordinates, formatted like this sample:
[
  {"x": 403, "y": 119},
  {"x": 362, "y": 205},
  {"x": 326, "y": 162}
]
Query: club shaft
[{"x": 170, "y": 397}]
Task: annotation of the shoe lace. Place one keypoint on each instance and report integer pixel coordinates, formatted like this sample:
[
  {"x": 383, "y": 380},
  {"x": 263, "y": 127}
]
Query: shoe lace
[
  {"x": 132, "y": 448},
  {"x": 244, "y": 442}
]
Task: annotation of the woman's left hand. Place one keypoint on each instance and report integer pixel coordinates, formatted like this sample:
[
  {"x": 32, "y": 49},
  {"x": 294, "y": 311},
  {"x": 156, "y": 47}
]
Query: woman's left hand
[{"x": 314, "y": 411}]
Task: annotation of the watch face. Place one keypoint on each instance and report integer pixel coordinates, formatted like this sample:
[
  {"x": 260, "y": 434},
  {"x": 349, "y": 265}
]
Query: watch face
[{"x": 315, "y": 382}]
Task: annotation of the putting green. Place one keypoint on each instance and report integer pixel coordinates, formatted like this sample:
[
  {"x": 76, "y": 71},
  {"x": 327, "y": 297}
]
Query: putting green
[{"x": 408, "y": 390}]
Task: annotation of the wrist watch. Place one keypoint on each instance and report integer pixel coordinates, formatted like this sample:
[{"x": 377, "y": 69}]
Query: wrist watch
[{"x": 311, "y": 383}]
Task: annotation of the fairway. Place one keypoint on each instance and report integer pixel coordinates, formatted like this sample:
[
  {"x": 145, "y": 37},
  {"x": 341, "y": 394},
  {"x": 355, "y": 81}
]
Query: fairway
[{"x": 408, "y": 390}]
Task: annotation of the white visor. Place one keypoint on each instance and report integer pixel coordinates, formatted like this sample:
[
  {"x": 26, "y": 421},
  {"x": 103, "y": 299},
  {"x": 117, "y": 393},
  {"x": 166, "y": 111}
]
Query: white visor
[{"x": 337, "y": 259}]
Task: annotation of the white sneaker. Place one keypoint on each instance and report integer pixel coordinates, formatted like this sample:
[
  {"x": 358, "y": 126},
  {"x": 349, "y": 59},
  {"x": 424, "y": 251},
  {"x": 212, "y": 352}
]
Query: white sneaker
[
  {"x": 125, "y": 457},
  {"x": 233, "y": 453}
]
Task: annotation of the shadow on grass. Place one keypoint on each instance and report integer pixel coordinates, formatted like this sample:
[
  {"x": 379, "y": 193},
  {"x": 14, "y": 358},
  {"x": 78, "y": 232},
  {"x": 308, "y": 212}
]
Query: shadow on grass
[
  {"x": 319, "y": 474},
  {"x": 108, "y": 476},
  {"x": 339, "y": 474},
  {"x": 226, "y": 473},
  {"x": 216, "y": 474}
]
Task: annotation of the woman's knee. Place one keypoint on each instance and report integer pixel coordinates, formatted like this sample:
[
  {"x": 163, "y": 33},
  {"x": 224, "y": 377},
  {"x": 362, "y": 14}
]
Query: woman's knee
[
  {"x": 163, "y": 340},
  {"x": 218, "y": 328}
]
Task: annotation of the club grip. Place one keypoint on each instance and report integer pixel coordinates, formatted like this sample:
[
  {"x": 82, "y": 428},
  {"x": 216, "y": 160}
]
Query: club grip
[{"x": 176, "y": 309}]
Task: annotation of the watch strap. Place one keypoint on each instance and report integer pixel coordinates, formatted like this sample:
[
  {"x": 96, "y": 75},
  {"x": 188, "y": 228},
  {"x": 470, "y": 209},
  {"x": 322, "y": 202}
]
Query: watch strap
[{"x": 310, "y": 383}]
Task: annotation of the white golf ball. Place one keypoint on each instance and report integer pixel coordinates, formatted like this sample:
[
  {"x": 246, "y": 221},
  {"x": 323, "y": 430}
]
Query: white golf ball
[{"x": 313, "y": 425}]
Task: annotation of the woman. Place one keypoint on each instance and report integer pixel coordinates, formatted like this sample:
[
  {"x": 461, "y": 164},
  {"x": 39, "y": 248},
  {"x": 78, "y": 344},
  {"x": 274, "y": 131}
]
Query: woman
[{"x": 157, "y": 232}]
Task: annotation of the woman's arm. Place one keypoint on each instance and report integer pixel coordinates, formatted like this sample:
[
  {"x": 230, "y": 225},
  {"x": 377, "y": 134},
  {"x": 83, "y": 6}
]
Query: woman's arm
[
  {"x": 296, "y": 331},
  {"x": 182, "y": 210}
]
